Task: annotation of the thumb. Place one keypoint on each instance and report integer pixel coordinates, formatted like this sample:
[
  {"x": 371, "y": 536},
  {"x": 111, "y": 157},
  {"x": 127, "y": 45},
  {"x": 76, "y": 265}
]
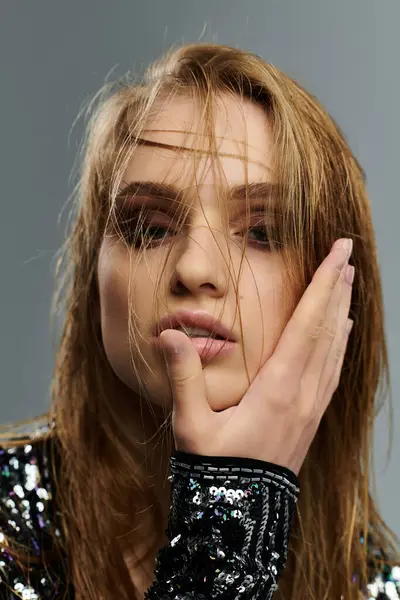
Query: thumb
[{"x": 191, "y": 410}]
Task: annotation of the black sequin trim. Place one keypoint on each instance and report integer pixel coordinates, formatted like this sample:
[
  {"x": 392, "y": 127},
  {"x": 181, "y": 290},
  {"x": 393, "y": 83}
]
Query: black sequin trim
[{"x": 229, "y": 528}]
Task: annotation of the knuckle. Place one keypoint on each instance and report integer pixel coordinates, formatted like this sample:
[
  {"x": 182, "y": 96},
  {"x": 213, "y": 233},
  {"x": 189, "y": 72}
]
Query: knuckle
[
  {"x": 281, "y": 400},
  {"x": 182, "y": 380},
  {"x": 337, "y": 271},
  {"x": 337, "y": 268},
  {"x": 307, "y": 415},
  {"x": 338, "y": 353},
  {"x": 316, "y": 330},
  {"x": 278, "y": 374},
  {"x": 285, "y": 397},
  {"x": 282, "y": 386},
  {"x": 329, "y": 330}
]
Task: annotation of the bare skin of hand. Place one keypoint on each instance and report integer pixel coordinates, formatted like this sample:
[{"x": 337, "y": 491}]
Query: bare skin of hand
[{"x": 279, "y": 415}]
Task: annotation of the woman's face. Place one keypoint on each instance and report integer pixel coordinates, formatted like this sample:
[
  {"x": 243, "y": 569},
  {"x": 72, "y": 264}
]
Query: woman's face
[{"x": 197, "y": 274}]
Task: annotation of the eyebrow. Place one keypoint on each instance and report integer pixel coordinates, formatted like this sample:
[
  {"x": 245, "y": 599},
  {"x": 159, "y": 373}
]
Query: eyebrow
[{"x": 169, "y": 194}]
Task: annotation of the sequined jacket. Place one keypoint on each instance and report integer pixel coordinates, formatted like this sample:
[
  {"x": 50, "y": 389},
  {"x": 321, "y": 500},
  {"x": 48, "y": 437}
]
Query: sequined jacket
[{"x": 229, "y": 528}]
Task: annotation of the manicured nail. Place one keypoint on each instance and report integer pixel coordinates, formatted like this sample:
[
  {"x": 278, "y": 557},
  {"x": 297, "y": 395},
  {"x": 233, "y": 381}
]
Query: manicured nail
[
  {"x": 344, "y": 244},
  {"x": 350, "y": 270},
  {"x": 349, "y": 326}
]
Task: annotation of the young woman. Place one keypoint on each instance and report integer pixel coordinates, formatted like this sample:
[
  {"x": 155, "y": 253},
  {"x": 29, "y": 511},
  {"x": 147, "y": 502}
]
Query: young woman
[{"x": 210, "y": 432}]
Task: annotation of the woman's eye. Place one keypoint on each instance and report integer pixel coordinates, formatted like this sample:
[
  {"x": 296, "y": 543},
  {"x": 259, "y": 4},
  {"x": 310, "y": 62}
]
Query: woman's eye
[
  {"x": 141, "y": 230},
  {"x": 149, "y": 229},
  {"x": 147, "y": 234},
  {"x": 152, "y": 232},
  {"x": 259, "y": 234}
]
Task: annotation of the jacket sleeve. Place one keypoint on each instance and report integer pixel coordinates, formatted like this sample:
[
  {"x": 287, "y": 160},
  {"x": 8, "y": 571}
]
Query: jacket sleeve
[
  {"x": 229, "y": 528},
  {"x": 26, "y": 521}
]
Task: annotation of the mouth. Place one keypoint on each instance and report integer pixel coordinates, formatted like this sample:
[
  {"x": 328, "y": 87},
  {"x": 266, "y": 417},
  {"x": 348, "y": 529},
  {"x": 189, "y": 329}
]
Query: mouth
[
  {"x": 210, "y": 337},
  {"x": 195, "y": 324},
  {"x": 209, "y": 348},
  {"x": 197, "y": 332}
]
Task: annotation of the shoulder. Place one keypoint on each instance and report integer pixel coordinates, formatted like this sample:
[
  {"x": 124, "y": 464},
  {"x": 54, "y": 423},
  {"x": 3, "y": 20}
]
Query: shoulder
[
  {"x": 26, "y": 478},
  {"x": 384, "y": 574},
  {"x": 29, "y": 520}
]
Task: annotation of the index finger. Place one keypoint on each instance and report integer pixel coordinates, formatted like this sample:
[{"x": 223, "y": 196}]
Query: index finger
[{"x": 302, "y": 330}]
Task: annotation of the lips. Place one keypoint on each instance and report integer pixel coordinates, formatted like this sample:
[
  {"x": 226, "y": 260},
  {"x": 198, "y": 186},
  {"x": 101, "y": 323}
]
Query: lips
[{"x": 194, "y": 319}]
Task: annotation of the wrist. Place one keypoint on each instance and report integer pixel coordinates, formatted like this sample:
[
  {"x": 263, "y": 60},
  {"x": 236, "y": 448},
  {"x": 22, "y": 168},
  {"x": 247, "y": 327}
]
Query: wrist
[{"x": 229, "y": 526}]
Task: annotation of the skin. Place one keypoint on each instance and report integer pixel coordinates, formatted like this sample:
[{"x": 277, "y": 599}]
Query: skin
[
  {"x": 197, "y": 276},
  {"x": 215, "y": 410}
]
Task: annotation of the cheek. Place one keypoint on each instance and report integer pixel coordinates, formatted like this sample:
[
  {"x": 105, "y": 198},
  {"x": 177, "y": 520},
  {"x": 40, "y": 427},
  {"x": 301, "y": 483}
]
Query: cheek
[
  {"x": 113, "y": 285},
  {"x": 267, "y": 310},
  {"x": 118, "y": 289},
  {"x": 112, "y": 279}
]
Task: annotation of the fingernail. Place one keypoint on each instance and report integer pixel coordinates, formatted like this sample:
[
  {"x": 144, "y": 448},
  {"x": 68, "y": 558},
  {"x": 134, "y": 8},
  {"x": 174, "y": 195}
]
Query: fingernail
[
  {"x": 344, "y": 244},
  {"x": 349, "y": 325},
  {"x": 350, "y": 270},
  {"x": 172, "y": 351}
]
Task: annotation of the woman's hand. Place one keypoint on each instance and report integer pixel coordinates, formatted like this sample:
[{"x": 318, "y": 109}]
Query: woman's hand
[{"x": 278, "y": 417}]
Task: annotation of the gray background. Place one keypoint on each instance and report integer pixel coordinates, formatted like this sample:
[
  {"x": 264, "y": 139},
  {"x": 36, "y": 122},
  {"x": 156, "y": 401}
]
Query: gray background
[{"x": 54, "y": 55}]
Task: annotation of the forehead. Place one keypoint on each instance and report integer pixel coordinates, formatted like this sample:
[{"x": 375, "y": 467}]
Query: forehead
[{"x": 242, "y": 135}]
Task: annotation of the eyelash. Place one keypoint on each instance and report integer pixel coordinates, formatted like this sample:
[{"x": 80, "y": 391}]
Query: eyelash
[{"x": 127, "y": 226}]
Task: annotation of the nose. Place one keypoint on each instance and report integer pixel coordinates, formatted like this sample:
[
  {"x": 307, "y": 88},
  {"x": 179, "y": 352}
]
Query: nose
[{"x": 202, "y": 266}]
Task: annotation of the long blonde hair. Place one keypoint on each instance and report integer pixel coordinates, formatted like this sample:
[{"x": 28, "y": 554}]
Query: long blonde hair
[{"x": 323, "y": 197}]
